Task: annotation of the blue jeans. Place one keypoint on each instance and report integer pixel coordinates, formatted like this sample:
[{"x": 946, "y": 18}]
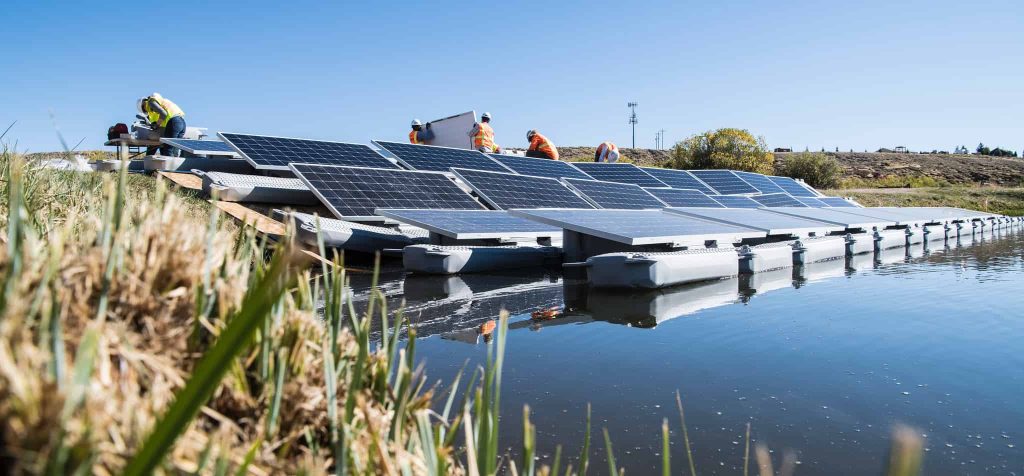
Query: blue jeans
[{"x": 175, "y": 129}]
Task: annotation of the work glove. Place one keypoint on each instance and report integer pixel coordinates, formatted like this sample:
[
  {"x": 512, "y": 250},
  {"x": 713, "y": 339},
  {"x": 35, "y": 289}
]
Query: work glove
[{"x": 428, "y": 125}]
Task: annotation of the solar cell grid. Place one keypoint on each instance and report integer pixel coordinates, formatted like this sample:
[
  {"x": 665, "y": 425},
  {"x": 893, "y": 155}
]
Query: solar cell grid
[
  {"x": 466, "y": 224},
  {"x": 615, "y": 195},
  {"x": 505, "y": 191},
  {"x": 619, "y": 173},
  {"x": 440, "y": 159},
  {"x": 354, "y": 192},
  {"x": 675, "y": 197},
  {"x": 724, "y": 181},
  {"x": 275, "y": 153},
  {"x": 761, "y": 182},
  {"x": 837, "y": 202},
  {"x": 539, "y": 167},
  {"x": 729, "y": 201},
  {"x": 679, "y": 179},
  {"x": 774, "y": 223},
  {"x": 793, "y": 187},
  {"x": 811, "y": 202},
  {"x": 200, "y": 146},
  {"x": 777, "y": 200}
]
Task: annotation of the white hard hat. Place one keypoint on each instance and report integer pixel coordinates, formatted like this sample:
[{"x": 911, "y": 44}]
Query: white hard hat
[
  {"x": 416, "y": 122},
  {"x": 156, "y": 96},
  {"x": 138, "y": 104},
  {"x": 486, "y": 115}
]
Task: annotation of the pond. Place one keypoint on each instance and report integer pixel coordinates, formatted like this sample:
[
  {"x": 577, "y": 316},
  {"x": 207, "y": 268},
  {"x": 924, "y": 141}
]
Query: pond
[{"x": 822, "y": 360}]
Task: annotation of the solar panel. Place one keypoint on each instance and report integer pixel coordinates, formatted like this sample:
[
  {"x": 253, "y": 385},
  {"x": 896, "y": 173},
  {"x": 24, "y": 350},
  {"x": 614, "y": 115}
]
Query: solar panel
[
  {"x": 505, "y": 191},
  {"x": 811, "y": 202},
  {"x": 793, "y": 187},
  {"x": 641, "y": 227},
  {"x": 764, "y": 220},
  {"x": 837, "y": 202},
  {"x": 471, "y": 224},
  {"x": 899, "y": 217},
  {"x": 729, "y": 201},
  {"x": 615, "y": 195},
  {"x": 620, "y": 173},
  {"x": 439, "y": 159},
  {"x": 679, "y": 179},
  {"x": 675, "y": 197},
  {"x": 777, "y": 200},
  {"x": 355, "y": 192},
  {"x": 761, "y": 182},
  {"x": 839, "y": 217},
  {"x": 539, "y": 167},
  {"x": 275, "y": 153},
  {"x": 201, "y": 147},
  {"x": 724, "y": 182}
]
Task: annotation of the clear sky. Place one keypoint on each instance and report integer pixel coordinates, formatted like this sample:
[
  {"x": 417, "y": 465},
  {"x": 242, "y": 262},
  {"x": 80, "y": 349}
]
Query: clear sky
[{"x": 860, "y": 75}]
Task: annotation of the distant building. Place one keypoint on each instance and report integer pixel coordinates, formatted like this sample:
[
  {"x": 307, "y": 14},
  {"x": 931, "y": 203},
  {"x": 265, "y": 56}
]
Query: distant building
[
  {"x": 783, "y": 149},
  {"x": 900, "y": 149}
]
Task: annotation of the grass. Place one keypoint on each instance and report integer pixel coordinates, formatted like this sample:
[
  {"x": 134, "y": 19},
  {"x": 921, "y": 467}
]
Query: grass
[
  {"x": 141, "y": 333},
  {"x": 1003, "y": 200}
]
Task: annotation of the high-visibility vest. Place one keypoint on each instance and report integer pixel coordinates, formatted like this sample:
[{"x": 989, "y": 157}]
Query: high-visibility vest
[
  {"x": 413, "y": 139},
  {"x": 542, "y": 144},
  {"x": 606, "y": 151},
  {"x": 484, "y": 137},
  {"x": 172, "y": 110}
]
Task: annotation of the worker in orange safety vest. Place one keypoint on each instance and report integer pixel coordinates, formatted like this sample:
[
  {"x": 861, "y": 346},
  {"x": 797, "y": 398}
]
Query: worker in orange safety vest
[
  {"x": 540, "y": 147},
  {"x": 483, "y": 135},
  {"x": 420, "y": 134},
  {"x": 607, "y": 152}
]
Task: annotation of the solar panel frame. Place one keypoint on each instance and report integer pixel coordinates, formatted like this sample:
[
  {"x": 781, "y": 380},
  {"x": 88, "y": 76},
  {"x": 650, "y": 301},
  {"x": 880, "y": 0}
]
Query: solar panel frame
[
  {"x": 472, "y": 224},
  {"x": 641, "y": 227},
  {"x": 619, "y": 173},
  {"x": 838, "y": 202},
  {"x": 201, "y": 147},
  {"x": 761, "y": 182},
  {"x": 520, "y": 191},
  {"x": 614, "y": 194},
  {"x": 683, "y": 198},
  {"x": 439, "y": 159},
  {"x": 780, "y": 199},
  {"x": 762, "y": 219},
  {"x": 438, "y": 179},
  {"x": 836, "y": 216},
  {"x": 725, "y": 182},
  {"x": 539, "y": 167},
  {"x": 794, "y": 187},
  {"x": 679, "y": 179},
  {"x": 368, "y": 157},
  {"x": 735, "y": 201}
]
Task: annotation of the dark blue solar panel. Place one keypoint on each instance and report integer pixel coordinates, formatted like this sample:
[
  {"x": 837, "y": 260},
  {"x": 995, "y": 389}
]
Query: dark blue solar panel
[
  {"x": 724, "y": 181},
  {"x": 440, "y": 159},
  {"x": 777, "y": 200},
  {"x": 732, "y": 201},
  {"x": 675, "y": 197},
  {"x": 811, "y": 202},
  {"x": 837, "y": 202},
  {"x": 200, "y": 146},
  {"x": 539, "y": 167},
  {"x": 615, "y": 195},
  {"x": 793, "y": 187},
  {"x": 679, "y": 179},
  {"x": 619, "y": 173},
  {"x": 507, "y": 191},
  {"x": 275, "y": 153},
  {"x": 352, "y": 192},
  {"x": 761, "y": 182}
]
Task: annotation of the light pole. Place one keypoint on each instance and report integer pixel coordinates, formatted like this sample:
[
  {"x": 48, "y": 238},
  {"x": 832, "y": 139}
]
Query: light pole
[{"x": 632, "y": 120}]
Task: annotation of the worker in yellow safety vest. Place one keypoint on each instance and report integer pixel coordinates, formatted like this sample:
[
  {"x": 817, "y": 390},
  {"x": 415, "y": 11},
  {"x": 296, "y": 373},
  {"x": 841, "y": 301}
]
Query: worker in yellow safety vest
[
  {"x": 607, "y": 152},
  {"x": 483, "y": 135},
  {"x": 420, "y": 134},
  {"x": 540, "y": 147},
  {"x": 164, "y": 117}
]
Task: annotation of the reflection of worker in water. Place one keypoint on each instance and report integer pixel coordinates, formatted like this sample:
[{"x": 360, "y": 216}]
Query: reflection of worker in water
[
  {"x": 164, "y": 117},
  {"x": 540, "y": 147},
  {"x": 487, "y": 330},
  {"x": 607, "y": 152},
  {"x": 420, "y": 134},
  {"x": 483, "y": 135}
]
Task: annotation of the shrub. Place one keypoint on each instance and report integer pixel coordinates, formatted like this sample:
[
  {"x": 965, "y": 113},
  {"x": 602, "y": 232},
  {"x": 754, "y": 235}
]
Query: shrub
[
  {"x": 724, "y": 148},
  {"x": 817, "y": 169}
]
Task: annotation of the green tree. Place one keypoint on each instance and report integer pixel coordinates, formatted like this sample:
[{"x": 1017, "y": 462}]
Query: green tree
[
  {"x": 726, "y": 148},
  {"x": 817, "y": 169}
]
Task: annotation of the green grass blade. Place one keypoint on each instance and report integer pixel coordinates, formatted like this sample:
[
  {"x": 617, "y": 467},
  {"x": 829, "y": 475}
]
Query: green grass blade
[
  {"x": 611, "y": 454},
  {"x": 666, "y": 459},
  {"x": 585, "y": 452}
]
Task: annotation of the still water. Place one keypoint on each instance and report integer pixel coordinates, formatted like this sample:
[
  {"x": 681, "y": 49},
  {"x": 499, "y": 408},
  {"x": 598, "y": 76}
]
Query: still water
[{"x": 821, "y": 361}]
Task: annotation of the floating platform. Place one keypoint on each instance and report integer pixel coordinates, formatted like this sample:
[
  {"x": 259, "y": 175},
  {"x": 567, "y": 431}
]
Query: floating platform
[
  {"x": 438, "y": 259},
  {"x": 766, "y": 257},
  {"x": 155, "y": 163},
  {"x": 231, "y": 187},
  {"x": 658, "y": 270},
  {"x": 813, "y": 250},
  {"x": 860, "y": 243},
  {"x": 891, "y": 238},
  {"x": 351, "y": 236}
]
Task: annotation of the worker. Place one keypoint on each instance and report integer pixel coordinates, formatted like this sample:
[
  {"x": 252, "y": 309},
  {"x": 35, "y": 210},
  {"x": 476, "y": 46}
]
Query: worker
[
  {"x": 420, "y": 134},
  {"x": 483, "y": 135},
  {"x": 165, "y": 117},
  {"x": 607, "y": 152},
  {"x": 540, "y": 147}
]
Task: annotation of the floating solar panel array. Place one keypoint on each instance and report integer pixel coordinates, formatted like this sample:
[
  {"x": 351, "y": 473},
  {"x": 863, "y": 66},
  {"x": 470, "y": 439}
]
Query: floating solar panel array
[
  {"x": 731, "y": 201},
  {"x": 675, "y": 197},
  {"x": 615, "y": 195},
  {"x": 539, "y": 167},
  {"x": 505, "y": 191},
  {"x": 201, "y": 147},
  {"x": 471, "y": 224},
  {"x": 439, "y": 159},
  {"x": 275, "y": 153},
  {"x": 761, "y": 182},
  {"x": 724, "y": 182},
  {"x": 354, "y": 192},
  {"x": 641, "y": 227},
  {"x": 679, "y": 179},
  {"x": 764, "y": 220},
  {"x": 619, "y": 173},
  {"x": 777, "y": 200},
  {"x": 793, "y": 187}
]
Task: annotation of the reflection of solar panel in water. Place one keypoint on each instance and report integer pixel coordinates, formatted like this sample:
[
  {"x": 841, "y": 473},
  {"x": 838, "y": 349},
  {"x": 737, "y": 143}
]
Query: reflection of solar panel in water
[
  {"x": 811, "y": 202},
  {"x": 620, "y": 173},
  {"x": 615, "y": 195},
  {"x": 724, "y": 181},
  {"x": 728, "y": 201},
  {"x": 837, "y": 202},
  {"x": 471, "y": 224},
  {"x": 505, "y": 191},
  {"x": 539, "y": 167},
  {"x": 440, "y": 159},
  {"x": 777, "y": 200},
  {"x": 771, "y": 223},
  {"x": 761, "y": 182},
  {"x": 201, "y": 147},
  {"x": 793, "y": 187},
  {"x": 640, "y": 227},
  {"x": 354, "y": 192},
  {"x": 679, "y": 179},
  {"x": 674, "y": 197},
  {"x": 275, "y": 153}
]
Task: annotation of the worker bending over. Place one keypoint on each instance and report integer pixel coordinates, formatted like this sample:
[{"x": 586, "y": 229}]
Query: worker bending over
[
  {"x": 165, "y": 117},
  {"x": 607, "y": 152},
  {"x": 483, "y": 135},
  {"x": 420, "y": 134},
  {"x": 540, "y": 147}
]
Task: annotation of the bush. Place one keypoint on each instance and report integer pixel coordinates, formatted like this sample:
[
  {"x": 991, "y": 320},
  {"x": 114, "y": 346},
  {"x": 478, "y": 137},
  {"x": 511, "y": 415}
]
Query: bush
[
  {"x": 815, "y": 168},
  {"x": 726, "y": 148}
]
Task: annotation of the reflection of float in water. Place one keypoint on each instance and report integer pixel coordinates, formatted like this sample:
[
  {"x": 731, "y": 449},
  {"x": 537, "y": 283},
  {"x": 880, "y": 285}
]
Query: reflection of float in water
[
  {"x": 650, "y": 308},
  {"x": 820, "y": 271}
]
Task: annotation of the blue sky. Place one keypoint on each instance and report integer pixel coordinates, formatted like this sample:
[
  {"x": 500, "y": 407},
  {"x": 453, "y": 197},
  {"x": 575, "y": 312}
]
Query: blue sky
[{"x": 855, "y": 75}]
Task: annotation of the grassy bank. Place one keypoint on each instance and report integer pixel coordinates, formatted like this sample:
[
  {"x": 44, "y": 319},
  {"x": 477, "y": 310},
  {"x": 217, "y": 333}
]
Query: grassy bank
[{"x": 1003, "y": 200}]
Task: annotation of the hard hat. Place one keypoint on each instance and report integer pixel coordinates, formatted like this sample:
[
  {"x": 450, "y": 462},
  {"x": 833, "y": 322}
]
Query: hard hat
[
  {"x": 156, "y": 96},
  {"x": 139, "y": 103},
  {"x": 530, "y": 133},
  {"x": 416, "y": 122},
  {"x": 486, "y": 115}
]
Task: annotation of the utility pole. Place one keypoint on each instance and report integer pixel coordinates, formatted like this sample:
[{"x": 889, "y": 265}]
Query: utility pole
[
  {"x": 661, "y": 139},
  {"x": 632, "y": 120}
]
